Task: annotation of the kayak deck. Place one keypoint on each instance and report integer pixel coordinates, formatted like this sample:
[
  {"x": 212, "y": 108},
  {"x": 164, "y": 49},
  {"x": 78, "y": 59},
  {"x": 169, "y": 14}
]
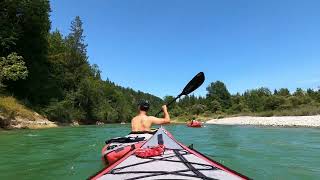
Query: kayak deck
[
  {"x": 168, "y": 166},
  {"x": 177, "y": 162}
]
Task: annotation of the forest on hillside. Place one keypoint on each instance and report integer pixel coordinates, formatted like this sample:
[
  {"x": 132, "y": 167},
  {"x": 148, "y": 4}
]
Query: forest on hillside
[{"x": 50, "y": 73}]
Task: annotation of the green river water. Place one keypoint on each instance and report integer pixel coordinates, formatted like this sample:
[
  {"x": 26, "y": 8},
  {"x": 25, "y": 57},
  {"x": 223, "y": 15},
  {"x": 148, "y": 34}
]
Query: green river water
[{"x": 74, "y": 152}]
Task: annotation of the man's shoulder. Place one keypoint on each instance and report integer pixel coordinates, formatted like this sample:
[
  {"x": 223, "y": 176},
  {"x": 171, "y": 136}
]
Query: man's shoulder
[
  {"x": 151, "y": 118},
  {"x": 143, "y": 117}
]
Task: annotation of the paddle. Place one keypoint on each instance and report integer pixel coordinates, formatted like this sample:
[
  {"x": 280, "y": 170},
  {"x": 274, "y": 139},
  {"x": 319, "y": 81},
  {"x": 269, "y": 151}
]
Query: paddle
[{"x": 196, "y": 82}]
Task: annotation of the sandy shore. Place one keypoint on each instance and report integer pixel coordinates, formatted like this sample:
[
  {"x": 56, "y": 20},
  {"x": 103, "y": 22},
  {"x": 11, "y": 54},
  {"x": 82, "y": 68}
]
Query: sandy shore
[{"x": 287, "y": 121}]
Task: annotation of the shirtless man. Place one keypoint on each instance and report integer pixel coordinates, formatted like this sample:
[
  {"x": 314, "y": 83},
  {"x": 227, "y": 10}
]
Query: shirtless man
[{"x": 143, "y": 122}]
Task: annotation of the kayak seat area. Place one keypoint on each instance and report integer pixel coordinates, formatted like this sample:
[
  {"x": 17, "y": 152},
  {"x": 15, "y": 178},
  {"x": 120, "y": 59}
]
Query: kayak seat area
[
  {"x": 125, "y": 140},
  {"x": 173, "y": 164}
]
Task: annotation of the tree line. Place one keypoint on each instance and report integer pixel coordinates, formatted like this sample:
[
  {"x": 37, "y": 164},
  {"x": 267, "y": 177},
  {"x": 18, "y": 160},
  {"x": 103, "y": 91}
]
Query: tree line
[
  {"x": 51, "y": 74},
  {"x": 261, "y": 101}
]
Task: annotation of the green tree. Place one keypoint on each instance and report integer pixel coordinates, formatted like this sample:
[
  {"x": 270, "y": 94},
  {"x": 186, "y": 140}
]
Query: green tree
[
  {"x": 12, "y": 68},
  {"x": 76, "y": 62},
  {"x": 215, "y": 106},
  {"x": 312, "y": 93},
  {"x": 76, "y": 38},
  {"x": 198, "y": 109},
  {"x": 283, "y": 92},
  {"x": 57, "y": 56},
  {"x": 237, "y": 104},
  {"x": 318, "y": 96},
  {"x": 299, "y": 92},
  {"x": 255, "y": 99},
  {"x": 218, "y": 91},
  {"x": 295, "y": 101},
  {"x": 274, "y": 102},
  {"x": 24, "y": 28}
]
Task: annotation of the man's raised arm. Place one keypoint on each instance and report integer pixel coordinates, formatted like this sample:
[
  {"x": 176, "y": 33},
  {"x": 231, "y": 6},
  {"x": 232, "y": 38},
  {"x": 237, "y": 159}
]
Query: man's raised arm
[{"x": 164, "y": 120}]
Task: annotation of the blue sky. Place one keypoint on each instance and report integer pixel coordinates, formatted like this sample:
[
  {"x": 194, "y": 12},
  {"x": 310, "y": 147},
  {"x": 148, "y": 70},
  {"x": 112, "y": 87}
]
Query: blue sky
[{"x": 158, "y": 46}]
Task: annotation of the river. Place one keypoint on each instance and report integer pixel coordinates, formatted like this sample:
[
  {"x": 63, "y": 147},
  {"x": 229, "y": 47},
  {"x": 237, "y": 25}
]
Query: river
[{"x": 74, "y": 152}]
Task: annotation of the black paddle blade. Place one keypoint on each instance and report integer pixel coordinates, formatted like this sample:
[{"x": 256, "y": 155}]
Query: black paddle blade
[{"x": 196, "y": 82}]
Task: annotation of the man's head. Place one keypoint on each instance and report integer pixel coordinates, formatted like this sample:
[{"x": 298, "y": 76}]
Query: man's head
[{"x": 144, "y": 105}]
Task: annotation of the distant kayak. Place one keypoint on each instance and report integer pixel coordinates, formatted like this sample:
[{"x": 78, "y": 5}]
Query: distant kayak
[
  {"x": 195, "y": 124},
  {"x": 161, "y": 156}
]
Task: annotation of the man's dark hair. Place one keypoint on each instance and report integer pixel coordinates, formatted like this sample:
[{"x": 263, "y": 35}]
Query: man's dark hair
[{"x": 144, "y": 105}]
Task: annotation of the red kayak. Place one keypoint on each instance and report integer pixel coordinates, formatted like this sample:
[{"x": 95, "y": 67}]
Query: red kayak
[{"x": 195, "y": 124}]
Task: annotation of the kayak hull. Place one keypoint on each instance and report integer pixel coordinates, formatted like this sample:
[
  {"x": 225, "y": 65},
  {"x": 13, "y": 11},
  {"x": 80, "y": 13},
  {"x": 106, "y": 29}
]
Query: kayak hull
[{"x": 177, "y": 162}]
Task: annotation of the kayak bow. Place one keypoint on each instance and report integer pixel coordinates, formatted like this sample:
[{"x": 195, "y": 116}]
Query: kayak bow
[{"x": 176, "y": 162}]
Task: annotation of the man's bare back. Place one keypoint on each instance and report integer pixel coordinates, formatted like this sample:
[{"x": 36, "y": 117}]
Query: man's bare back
[{"x": 143, "y": 122}]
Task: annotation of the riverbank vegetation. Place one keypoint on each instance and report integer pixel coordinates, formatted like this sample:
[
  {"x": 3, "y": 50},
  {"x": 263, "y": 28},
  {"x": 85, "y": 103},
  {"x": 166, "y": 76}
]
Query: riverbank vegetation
[
  {"x": 50, "y": 73},
  {"x": 219, "y": 103}
]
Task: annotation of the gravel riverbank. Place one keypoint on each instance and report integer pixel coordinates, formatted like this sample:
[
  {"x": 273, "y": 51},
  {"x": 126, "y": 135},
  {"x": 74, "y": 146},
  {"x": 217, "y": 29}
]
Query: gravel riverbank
[{"x": 287, "y": 121}]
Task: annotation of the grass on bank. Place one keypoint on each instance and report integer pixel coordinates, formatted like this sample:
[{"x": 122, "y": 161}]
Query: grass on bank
[{"x": 10, "y": 108}]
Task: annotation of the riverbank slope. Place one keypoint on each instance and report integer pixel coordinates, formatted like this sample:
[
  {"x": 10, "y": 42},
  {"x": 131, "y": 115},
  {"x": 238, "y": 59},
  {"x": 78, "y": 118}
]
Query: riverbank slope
[{"x": 14, "y": 115}]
